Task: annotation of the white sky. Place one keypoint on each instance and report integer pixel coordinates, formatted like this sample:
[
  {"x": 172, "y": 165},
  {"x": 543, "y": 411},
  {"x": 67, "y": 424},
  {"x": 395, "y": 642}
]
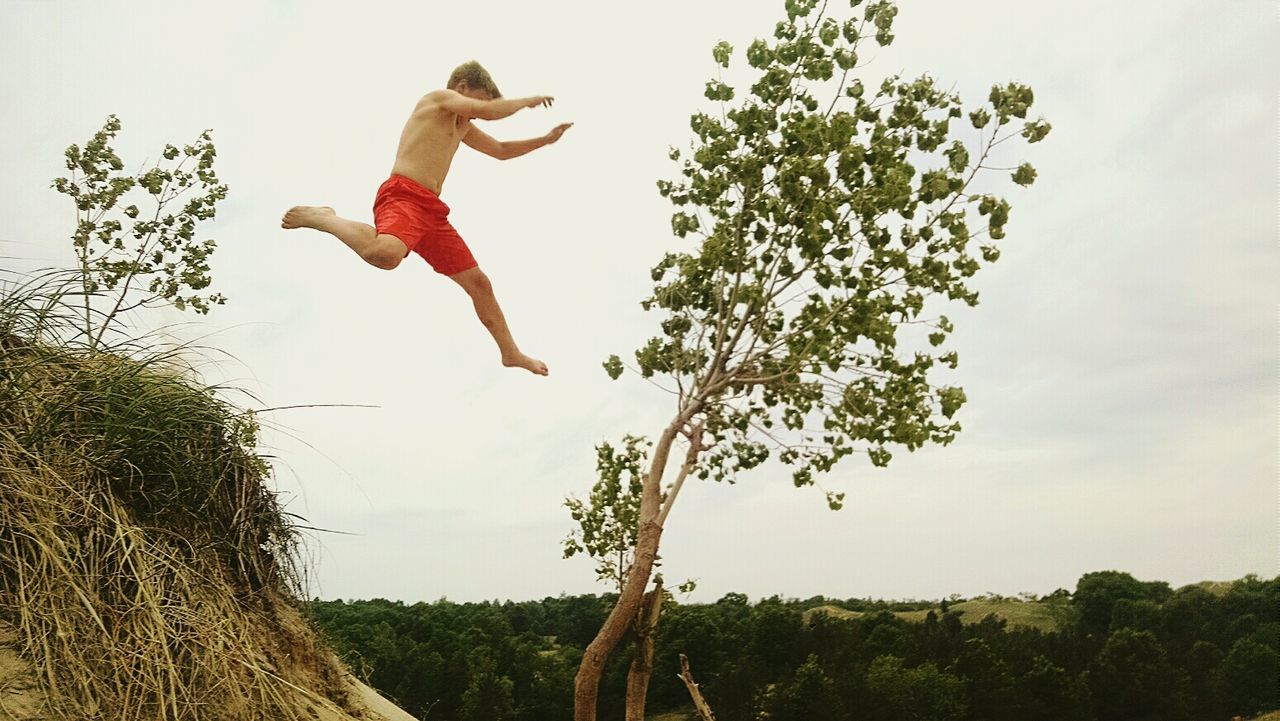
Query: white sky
[{"x": 1121, "y": 369}]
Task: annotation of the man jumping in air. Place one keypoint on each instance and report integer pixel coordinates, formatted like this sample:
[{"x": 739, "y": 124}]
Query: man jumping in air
[{"x": 408, "y": 213}]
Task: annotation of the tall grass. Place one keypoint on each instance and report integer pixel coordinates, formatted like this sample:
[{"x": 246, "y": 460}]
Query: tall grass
[{"x": 148, "y": 567}]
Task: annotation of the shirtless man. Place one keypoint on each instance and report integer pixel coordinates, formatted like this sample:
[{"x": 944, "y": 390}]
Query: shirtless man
[{"x": 408, "y": 213}]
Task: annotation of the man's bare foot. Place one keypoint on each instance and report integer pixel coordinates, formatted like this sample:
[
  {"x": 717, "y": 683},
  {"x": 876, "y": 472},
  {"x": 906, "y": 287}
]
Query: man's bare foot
[
  {"x": 520, "y": 360},
  {"x": 306, "y": 216}
]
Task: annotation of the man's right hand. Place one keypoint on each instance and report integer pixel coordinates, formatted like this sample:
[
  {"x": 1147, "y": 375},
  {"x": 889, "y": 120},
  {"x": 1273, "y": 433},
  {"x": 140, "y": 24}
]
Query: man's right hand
[
  {"x": 543, "y": 100},
  {"x": 554, "y": 134}
]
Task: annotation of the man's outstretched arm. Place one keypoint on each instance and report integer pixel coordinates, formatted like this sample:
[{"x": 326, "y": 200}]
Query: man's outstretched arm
[
  {"x": 467, "y": 107},
  {"x": 505, "y": 150}
]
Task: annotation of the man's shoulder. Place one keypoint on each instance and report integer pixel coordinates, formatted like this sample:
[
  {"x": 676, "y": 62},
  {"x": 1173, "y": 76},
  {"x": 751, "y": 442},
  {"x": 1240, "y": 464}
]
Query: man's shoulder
[
  {"x": 440, "y": 93},
  {"x": 436, "y": 98}
]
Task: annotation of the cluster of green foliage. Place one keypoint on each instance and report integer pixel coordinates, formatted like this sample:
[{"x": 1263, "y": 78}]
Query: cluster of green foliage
[
  {"x": 610, "y": 517},
  {"x": 820, "y": 217},
  {"x": 135, "y": 236},
  {"x": 1124, "y": 651}
]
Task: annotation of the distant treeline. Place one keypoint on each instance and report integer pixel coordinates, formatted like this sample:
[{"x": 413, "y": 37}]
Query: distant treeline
[{"x": 1118, "y": 649}]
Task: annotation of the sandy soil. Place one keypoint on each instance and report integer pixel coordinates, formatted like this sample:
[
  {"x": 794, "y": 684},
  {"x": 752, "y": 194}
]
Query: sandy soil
[
  {"x": 376, "y": 704},
  {"x": 20, "y": 695}
]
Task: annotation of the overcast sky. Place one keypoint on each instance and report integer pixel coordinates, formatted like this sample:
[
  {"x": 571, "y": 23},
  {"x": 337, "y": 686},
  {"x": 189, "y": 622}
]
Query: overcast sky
[{"x": 1121, "y": 368}]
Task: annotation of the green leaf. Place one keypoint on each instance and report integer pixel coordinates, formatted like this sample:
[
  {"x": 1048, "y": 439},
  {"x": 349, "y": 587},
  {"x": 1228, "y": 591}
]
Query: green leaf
[
  {"x": 721, "y": 53},
  {"x": 880, "y": 456},
  {"x": 957, "y": 157},
  {"x": 613, "y": 367},
  {"x": 717, "y": 90},
  {"x": 1024, "y": 175},
  {"x": 828, "y": 32},
  {"x": 759, "y": 54},
  {"x": 1036, "y": 131},
  {"x": 951, "y": 398}
]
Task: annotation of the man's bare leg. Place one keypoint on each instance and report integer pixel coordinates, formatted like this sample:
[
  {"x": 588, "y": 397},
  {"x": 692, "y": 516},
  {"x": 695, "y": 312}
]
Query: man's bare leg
[
  {"x": 381, "y": 251},
  {"x": 477, "y": 285}
]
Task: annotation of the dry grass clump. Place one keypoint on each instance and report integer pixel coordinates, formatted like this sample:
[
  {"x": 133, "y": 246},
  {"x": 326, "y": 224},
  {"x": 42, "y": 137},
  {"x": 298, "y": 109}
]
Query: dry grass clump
[{"x": 149, "y": 571}]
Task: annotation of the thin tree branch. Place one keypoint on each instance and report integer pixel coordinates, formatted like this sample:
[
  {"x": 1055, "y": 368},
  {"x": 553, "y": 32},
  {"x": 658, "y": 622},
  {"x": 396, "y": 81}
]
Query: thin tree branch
[{"x": 690, "y": 460}]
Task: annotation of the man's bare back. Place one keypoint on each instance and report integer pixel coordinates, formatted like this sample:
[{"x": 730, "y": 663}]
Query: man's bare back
[{"x": 416, "y": 220}]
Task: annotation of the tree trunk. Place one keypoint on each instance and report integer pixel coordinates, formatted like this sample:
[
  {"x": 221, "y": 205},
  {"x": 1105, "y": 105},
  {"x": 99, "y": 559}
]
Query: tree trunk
[
  {"x": 698, "y": 701},
  {"x": 642, "y": 664},
  {"x": 586, "y": 685}
]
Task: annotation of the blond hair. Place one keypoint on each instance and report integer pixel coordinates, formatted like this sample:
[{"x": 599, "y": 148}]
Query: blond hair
[{"x": 476, "y": 78}]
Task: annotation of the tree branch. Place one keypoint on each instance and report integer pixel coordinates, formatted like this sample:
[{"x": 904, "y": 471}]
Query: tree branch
[
  {"x": 690, "y": 460},
  {"x": 698, "y": 701}
]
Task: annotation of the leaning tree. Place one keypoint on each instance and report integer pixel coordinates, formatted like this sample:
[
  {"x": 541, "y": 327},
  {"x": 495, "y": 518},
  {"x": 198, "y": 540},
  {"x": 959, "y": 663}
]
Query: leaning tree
[{"x": 817, "y": 217}]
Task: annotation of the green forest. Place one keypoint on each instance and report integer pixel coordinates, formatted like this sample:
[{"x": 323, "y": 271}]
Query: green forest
[{"x": 1114, "y": 649}]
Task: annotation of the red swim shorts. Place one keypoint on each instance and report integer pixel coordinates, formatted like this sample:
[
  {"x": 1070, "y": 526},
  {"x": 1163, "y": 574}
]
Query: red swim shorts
[{"x": 420, "y": 220}]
